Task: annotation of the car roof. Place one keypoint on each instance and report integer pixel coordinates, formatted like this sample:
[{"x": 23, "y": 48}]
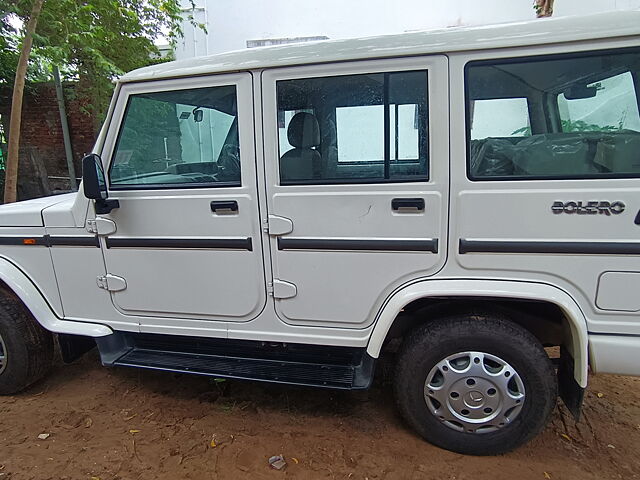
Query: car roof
[{"x": 455, "y": 39}]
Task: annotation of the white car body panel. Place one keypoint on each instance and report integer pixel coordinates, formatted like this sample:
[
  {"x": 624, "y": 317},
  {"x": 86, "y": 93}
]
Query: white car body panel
[{"x": 33, "y": 299}]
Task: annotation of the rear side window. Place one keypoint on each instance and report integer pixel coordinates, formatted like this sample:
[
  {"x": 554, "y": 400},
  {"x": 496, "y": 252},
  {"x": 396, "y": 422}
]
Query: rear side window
[
  {"x": 177, "y": 139},
  {"x": 562, "y": 116},
  {"x": 353, "y": 129}
]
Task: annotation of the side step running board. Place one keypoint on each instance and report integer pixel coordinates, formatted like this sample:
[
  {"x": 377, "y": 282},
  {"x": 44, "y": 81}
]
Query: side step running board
[{"x": 311, "y": 365}]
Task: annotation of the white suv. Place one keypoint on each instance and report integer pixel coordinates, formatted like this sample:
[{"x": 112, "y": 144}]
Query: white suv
[{"x": 288, "y": 214}]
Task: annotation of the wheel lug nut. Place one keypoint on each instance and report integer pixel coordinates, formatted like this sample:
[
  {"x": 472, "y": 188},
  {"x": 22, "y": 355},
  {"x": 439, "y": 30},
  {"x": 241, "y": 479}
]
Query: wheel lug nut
[{"x": 471, "y": 382}]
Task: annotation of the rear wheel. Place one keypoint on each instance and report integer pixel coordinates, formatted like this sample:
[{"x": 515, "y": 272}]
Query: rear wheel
[
  {"x": 476, "y": 384},
  {"x": 26, "y": 349}
]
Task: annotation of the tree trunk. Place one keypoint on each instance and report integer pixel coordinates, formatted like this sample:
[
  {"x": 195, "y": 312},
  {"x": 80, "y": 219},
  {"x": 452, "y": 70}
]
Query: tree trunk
[
  {"x": 544, "y": 8},
  {"x": 11, "y": 172}
]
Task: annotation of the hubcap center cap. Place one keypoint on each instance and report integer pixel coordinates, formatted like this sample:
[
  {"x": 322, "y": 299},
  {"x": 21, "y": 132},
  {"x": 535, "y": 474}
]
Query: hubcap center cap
[{"x": 474, "y": 399}]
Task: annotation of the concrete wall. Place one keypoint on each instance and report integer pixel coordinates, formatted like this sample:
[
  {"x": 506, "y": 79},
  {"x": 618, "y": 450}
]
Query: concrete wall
[{"x": 231, "y": 23}]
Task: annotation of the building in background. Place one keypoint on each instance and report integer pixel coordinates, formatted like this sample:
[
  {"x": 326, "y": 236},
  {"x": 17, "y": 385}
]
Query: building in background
[{"x": 238, "y": 24}]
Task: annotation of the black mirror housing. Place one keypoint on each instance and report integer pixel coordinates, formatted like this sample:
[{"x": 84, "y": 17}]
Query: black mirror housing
[{"x": 94, "y": 184}]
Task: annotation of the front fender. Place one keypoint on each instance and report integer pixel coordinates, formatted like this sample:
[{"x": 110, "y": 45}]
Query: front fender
[
  {"x": 489, "y": 288},
  {"x": 24, "y": 288}
]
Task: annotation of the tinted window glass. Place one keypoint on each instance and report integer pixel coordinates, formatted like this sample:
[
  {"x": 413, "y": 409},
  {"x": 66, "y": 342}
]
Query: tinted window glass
[
  {"x": 554, "y": 117},
  {"x": 178, "y": 138},
  {"x": 354, "y": 128}
]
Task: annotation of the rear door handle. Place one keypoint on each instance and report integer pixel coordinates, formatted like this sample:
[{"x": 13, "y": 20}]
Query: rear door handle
[
  {"x": 407, "y": 203},
  {"x": 224, "y": 206}
]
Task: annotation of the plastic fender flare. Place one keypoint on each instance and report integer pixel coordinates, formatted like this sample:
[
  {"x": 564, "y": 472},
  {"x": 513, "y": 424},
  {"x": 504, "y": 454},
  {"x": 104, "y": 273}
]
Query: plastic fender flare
[
  {"x": 488, "y": 288},
  {"x": 24, "y": 288}
]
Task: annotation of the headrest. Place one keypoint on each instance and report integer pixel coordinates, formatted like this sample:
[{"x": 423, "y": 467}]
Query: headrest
[{"x": 304, "y": 131}]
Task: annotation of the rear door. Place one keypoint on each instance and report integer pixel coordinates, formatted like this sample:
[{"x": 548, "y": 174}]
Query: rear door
[
  {"x": 186, "y": 238},
  {"x": 357, "y": 182}
]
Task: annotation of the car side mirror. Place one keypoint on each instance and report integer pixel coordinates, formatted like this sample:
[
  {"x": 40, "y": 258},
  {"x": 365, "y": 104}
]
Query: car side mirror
[{"x": 95, "y": 185}]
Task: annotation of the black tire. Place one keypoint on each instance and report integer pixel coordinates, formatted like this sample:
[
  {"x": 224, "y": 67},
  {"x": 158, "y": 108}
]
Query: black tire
[
  {"x": 28, "y": 347},
  {"x": 493, "y": 334}
]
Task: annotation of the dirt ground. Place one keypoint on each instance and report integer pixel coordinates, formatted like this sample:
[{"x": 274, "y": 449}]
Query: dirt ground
[{"x": 126, "y": 424}]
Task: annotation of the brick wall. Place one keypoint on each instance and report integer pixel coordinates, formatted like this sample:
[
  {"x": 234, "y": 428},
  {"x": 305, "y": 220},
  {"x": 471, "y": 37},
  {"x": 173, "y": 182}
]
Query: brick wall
[{"x": 42, "y": 144}]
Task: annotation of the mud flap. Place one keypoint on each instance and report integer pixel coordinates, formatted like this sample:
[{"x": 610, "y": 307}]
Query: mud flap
[
  {"x": 73, "y": 347},
  {"x": 571, "y": 393}
]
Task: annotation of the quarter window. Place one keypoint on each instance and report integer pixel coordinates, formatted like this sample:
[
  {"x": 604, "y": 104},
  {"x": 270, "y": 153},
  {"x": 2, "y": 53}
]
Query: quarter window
[
  {"x": 563, "y": 116},
  {"x": 182, "y": 138},
  {"x": 353, "y": 129}
]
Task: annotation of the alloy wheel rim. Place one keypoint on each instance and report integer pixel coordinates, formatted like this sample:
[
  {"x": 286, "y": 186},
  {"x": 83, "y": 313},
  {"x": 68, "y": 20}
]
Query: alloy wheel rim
[
  {"x": 474, "y": 392},
  {"x": 3, "y": 355}
]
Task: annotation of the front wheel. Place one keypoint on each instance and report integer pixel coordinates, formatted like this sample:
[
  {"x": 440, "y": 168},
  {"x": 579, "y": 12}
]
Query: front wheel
[
  {"x": 475, "y": 384},
  {"x": 26, "y": 349}
]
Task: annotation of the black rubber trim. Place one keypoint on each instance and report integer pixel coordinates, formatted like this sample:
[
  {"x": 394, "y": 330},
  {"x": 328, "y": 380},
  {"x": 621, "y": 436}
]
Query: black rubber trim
[
  {"x": 581, "y": 248},
  {"x": 206, "y": 243},
  {"x": 49, "y": 241},
  {"x": 602, "y": 334},
  {"x": 427, "y": 245},
  {"x": 73, "y": 241}
]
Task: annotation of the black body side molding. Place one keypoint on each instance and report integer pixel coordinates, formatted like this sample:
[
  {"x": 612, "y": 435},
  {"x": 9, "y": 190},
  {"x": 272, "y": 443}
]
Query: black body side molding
[{"x": 578, "y": 248}]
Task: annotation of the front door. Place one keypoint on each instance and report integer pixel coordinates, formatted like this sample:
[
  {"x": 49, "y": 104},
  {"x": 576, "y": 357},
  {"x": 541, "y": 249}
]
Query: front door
[
  {"x": 186, "y": 242},
  {"x": 356, "y": 166}
]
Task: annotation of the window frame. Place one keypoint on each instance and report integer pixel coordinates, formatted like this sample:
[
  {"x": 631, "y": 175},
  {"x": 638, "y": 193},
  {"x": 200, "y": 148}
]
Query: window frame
[
  {"x": 429, "y": 64},
  {"x": 243, "y": 86},
  {"x": 529, "y": 59}
]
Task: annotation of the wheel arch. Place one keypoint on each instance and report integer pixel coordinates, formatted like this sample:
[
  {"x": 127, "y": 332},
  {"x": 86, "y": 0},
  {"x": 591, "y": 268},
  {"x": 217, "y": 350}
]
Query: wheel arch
[
  {"x": 14, "y": 281},
  {"x": 574, "y": 331}
]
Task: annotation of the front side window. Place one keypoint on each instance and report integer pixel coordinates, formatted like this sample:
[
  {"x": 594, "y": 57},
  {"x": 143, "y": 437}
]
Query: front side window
[
  {"x": 353, "y": 128},
  {"x": 564, "y": 116},
  {"x": 178, "y": 139}
]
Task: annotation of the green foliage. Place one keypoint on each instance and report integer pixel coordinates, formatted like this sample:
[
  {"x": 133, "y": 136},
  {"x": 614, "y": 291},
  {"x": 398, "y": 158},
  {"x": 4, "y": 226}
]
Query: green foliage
[
  {"x": 523, "y": 131},
  {"x": 581, "y": 126},
  {"x": 92, "y": 41}
]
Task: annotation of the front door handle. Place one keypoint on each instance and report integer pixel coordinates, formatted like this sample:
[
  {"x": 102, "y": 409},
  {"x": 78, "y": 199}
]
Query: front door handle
[
  {"x": 223, "y": 206},
  {"x": 408, "y": 203}
]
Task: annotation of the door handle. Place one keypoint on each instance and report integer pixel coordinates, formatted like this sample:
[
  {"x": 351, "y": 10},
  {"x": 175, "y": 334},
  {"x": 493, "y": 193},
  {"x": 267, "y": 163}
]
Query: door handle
[
  {"x": 224, "y": 206},
  {"x": 408, "y": 203}
]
